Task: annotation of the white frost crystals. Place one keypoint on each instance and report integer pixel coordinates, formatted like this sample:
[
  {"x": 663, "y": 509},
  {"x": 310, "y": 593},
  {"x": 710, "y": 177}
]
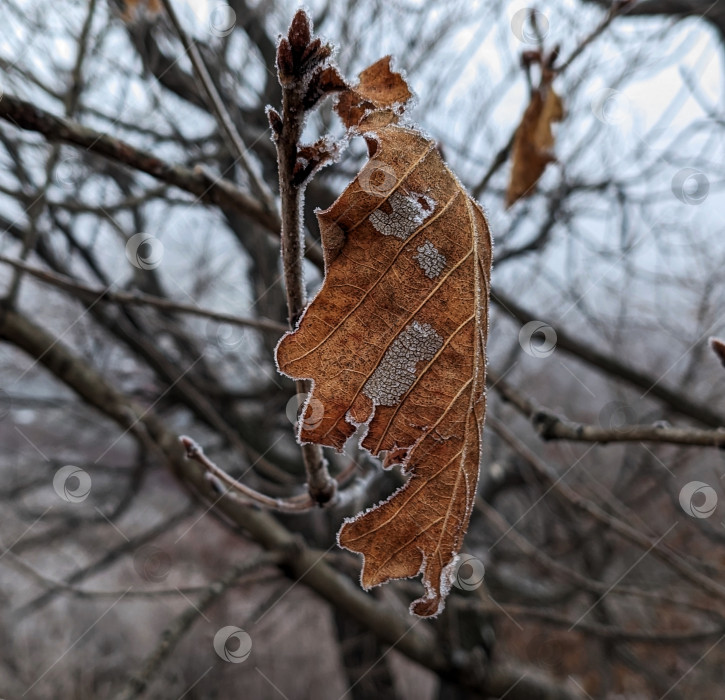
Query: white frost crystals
[
  {"x": 430, "y": 260},
  {"x": 409, "y": 211},
  {"x": 395, "y": 374}
]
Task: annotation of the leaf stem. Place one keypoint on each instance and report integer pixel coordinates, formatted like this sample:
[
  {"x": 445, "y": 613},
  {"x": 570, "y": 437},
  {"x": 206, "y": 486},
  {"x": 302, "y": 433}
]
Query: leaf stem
[{"x": 296, "y": 60}]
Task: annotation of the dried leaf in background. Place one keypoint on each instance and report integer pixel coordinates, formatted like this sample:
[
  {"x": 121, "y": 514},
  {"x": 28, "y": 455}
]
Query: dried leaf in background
[
  {"x": 533, "y": 141},
  {"x": 396, "y": 339},
  {"x": 718, "y": 347}
]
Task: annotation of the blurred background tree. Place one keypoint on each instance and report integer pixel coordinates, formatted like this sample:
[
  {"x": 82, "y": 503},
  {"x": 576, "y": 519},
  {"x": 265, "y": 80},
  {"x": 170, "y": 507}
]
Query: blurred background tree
[{"x": 142, "y": 299}]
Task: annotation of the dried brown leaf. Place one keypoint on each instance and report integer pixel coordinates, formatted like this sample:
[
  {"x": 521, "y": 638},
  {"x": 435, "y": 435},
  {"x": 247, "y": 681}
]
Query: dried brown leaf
[
  {"x": 533, "y": 141},
  {"x": 396, "y": 339},
  {"x": 379, "y": 87},
  {"x": 134, "y": 9},
  {"x": 718, "y": 347}
]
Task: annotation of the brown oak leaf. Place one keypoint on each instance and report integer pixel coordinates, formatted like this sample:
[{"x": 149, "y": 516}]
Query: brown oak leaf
[
  {"x": 395, "y": 339},
  {"x": 533, "y": 141},
  {"x": 378, "y": 88}
]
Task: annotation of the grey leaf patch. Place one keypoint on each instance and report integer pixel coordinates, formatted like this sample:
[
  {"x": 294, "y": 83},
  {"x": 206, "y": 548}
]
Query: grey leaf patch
[
  {"x": 409, "y": 211},
  {"x": 431, "y": 261},
  {"x": 395, "y": 374}
]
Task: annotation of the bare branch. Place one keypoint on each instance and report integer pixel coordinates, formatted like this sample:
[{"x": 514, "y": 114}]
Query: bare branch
[
  {"x": 181, "y": 624},
  {"x": 94, "y": 294},
  {"x": 550, "y": 426},
  {"x": 220, "y": 112},
  {"x": 207, "y": 187},
  {"x": 294, "y": 68}
]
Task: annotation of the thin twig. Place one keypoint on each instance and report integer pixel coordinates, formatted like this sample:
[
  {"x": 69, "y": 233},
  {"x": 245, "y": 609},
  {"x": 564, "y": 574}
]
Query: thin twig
[
  {"x": 550, "y": 426},
  {"x": 613, "y": 366},
  {"x": 233, "y": 136},
  {"x": 614, "y": 10},
  {"x": 294, "y": 68},
  {"x": 39, "y": 200},
  {"x": 629, "y": 533},
  {"x": 23, "y": 567},
  {"x": 95, "y": 294},
  {"x": 199, "y": 182},
  {"x": 171, "y": 636},
  {"x": 292, "y": 504}
]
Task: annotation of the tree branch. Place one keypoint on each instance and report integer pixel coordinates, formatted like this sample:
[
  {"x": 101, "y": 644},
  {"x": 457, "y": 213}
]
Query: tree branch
[
  {"x": 299, "y": 59},
  {"x": 93, "y": 294},
  {"x": 205, "y": 186},
  {"x": 611, "y": 365},
  {"x": 550, "y": 426},
  {"x": 171, "y": 636},
  {"x": 233, "y": 137},
  {"x": 307, "y": 565}
]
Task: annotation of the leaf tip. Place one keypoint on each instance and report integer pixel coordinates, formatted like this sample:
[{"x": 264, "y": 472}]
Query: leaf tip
[{"x": 718, "y": 347}]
